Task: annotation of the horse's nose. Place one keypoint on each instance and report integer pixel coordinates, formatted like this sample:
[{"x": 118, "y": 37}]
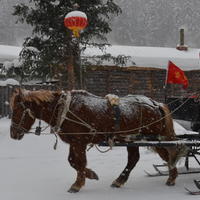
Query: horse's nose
[
  {"x": 14, "y": 134},
  {"x": 11, "y": 132}
]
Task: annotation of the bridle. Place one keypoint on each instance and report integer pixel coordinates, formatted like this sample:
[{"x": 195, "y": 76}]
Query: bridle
[{"x": 18, "y": 126}]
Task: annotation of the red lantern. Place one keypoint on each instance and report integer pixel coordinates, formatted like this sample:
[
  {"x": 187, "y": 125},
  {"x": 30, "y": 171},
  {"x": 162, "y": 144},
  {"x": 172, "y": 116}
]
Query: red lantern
[{"x": 76, "y": 21}]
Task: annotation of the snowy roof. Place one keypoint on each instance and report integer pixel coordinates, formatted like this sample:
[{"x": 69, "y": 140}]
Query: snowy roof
[
  {"x": 9, "y": 81},
  {"x": 9, "y": 53},
  {"x": 157, "y": 57}
]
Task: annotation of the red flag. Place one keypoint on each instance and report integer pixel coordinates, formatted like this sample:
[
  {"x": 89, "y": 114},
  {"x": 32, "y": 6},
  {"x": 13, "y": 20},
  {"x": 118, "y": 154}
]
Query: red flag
[{"x": 176, "y": 76}]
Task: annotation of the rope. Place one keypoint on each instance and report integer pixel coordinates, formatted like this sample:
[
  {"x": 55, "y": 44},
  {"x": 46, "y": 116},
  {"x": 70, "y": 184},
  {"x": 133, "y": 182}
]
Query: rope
[
  {"x": 92, "y": 131},
  {"x": 113, "y": 132},
  {"x": 130, "y": 130},
  {"x": 110, "y": 148},
  {"x": 82, "y": 122}
]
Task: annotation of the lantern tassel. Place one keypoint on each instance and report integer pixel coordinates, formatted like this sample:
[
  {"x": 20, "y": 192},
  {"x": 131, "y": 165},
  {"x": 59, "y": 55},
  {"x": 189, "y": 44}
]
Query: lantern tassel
[{"x": 76, "y": 33}]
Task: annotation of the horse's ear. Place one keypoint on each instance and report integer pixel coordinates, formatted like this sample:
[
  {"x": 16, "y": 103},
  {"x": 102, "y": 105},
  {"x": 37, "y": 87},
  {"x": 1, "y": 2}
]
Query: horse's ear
[
  {"x": 16, "y": 91},
  {"x": 20, "y": 92},
  {"x": 16, "y": 96}
]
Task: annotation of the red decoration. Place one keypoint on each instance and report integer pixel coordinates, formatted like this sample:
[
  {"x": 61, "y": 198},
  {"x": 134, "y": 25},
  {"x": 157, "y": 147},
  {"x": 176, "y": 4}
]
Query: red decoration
[
  {"x": 176, "y": 76},
  {"x": 76, "y": 21}
]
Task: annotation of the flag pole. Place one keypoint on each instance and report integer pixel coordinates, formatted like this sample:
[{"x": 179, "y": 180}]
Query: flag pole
[
  {"x": 165, "y": 85},
  {"x": 199, "y": 58},
  {"x": 165, "y": 93}
]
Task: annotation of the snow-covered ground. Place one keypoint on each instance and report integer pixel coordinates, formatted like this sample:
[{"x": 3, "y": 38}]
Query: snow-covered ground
[{"x": 31, "y": 170}]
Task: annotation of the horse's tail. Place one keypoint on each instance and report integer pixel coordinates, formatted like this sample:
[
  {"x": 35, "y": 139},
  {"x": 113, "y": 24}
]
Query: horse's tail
[
  {"x": 168, "y": 121},
  {"x": 180, "y": 150}
]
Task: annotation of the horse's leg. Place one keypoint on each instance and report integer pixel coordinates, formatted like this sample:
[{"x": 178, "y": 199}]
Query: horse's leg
[
  {"x": 169, "y": 155},
  {"x": 173, "y": 158},
  {"x": 77, "y": 159},
  {"x": 133, "y": 157},
  {"x": 91, "y": 174}
]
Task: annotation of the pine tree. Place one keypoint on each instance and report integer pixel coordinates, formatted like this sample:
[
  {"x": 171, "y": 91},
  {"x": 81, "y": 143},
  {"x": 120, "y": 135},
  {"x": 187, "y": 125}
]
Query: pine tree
[{"x": 48, "y": 50}]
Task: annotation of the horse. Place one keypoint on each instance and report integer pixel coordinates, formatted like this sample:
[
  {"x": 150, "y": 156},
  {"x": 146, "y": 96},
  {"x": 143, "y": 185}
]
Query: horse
[{"x": 80, "y": 118}]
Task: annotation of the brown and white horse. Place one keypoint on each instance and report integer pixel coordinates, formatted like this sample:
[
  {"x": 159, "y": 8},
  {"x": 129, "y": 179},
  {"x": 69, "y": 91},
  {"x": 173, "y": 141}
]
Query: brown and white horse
[{"x": 81, "y": 118}]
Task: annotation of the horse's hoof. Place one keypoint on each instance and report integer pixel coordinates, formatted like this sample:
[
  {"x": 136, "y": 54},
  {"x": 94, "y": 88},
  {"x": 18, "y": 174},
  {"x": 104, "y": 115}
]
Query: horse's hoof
[
  {"x": 95, "y": 176},
  {"x": 91, "y": 175},
  {"x": 169, "y": 183},
  {"x": 73, "y": 190},
  {"x": 116, "y": 184}
]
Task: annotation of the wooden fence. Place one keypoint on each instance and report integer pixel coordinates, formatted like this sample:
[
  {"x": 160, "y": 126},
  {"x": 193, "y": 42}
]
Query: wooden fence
[{"x": 102, "y": 80}]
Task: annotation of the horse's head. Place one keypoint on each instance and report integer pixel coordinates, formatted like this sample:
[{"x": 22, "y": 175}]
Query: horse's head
[{"x": 22, "y": 117}]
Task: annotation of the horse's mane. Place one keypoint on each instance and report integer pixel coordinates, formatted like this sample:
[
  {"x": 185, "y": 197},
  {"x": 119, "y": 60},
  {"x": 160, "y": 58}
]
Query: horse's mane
[{"x": 38, "y": 96}]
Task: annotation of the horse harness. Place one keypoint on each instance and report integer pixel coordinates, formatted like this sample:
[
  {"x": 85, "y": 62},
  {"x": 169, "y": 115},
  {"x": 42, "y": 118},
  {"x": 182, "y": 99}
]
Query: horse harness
[
  {"x": 64, "y": 108},
  {"x": 64, "y": 102},
  {"x": 18, "y": 126}
]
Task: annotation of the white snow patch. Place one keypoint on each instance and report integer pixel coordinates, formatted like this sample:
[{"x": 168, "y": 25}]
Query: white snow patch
[
  {"x": 7, "y": 65},
  {"x": 33, "y": 49},
  {"x": 9, "y": 81},
  {"x": 76, "y": 14},
  {"x": 17, "y": 63}
]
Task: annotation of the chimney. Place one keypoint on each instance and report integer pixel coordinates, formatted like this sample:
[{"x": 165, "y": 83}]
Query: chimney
[{"x": 182, "y": 46}]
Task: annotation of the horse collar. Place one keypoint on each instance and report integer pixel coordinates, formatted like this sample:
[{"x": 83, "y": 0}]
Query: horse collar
[{"x": 64, "y": 102}]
